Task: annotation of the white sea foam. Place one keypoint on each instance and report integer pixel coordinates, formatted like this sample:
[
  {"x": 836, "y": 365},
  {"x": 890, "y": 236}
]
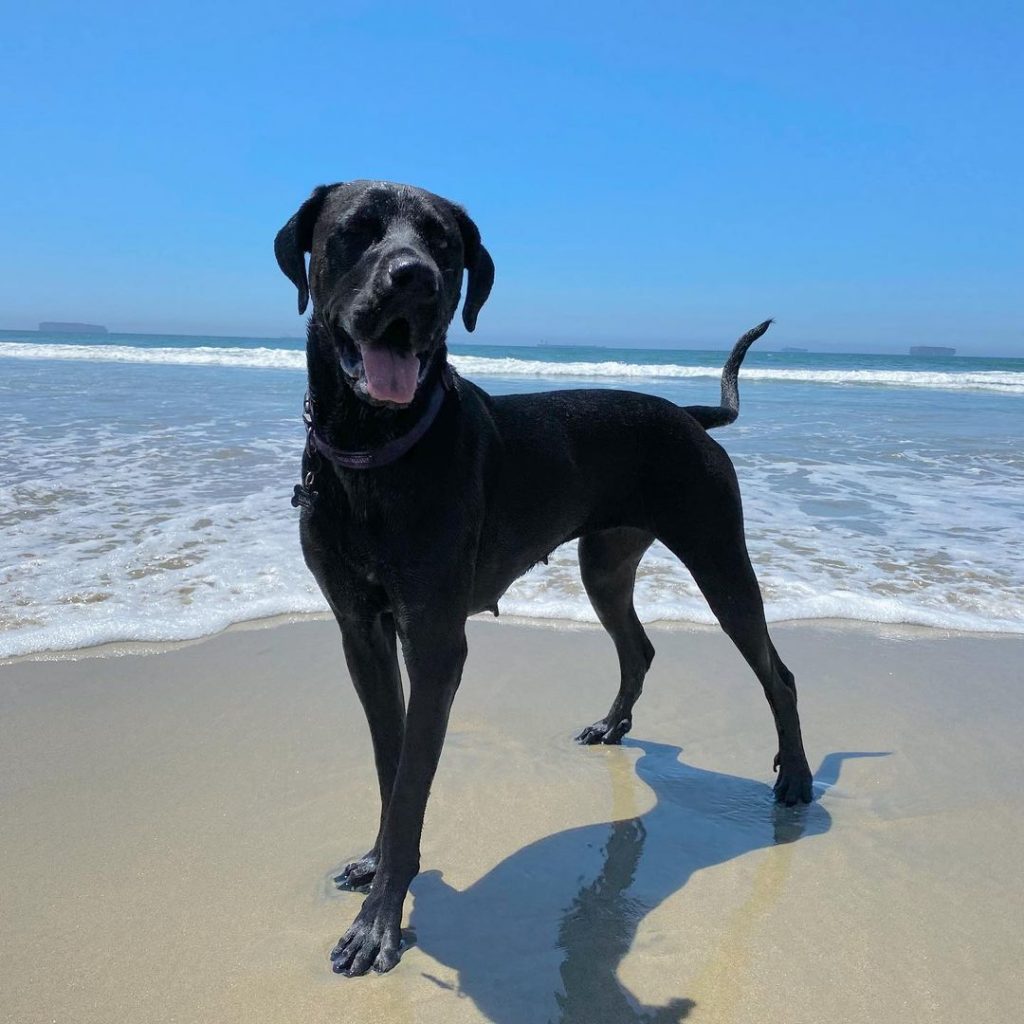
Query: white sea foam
[
  {"x": 1007, "y": 382},
  {"x": 248, "y": 567},
  {"x": 253, "y": 358}
]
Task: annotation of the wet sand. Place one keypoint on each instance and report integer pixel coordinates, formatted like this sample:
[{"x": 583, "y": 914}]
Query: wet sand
[{"x": 171, "y": 824}]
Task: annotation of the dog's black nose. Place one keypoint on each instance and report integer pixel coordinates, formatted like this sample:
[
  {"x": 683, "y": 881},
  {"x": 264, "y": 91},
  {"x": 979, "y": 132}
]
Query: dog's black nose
[{"x": 412, "y": 274}]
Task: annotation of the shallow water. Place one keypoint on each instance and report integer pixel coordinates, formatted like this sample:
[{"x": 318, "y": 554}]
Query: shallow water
[{"x": 145, "y": 484}]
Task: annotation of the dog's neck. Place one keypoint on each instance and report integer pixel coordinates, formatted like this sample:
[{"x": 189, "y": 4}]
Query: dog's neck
[{"x": 346, "y": 421}]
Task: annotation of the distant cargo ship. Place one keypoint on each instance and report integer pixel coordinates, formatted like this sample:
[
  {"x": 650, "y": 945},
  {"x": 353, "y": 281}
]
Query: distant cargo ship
[
  {"x": 931, "y": 350},
  {"x": 60, "y": 327}
]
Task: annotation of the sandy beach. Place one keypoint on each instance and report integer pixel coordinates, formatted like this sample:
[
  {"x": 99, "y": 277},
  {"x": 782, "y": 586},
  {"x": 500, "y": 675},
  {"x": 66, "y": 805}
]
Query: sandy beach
[{"x": 172, "y": 823}]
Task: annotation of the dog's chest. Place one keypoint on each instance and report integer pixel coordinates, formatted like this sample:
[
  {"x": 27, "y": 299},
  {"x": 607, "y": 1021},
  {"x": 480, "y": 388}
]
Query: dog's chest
[{"x": 370, "y": 540}]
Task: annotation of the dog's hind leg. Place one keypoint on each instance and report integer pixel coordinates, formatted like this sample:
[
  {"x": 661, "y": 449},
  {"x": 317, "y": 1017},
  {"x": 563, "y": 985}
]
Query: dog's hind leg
[
  {"x": 608, "y": 562},
  {"x": 704, "y": 528}
]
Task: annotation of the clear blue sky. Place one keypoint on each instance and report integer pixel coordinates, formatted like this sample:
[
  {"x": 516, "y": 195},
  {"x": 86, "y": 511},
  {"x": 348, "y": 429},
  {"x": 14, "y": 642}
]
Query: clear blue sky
[{"x": 644, "y": 173}]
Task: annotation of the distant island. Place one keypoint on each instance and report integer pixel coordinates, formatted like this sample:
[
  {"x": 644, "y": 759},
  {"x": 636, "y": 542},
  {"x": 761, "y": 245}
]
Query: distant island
[
  {"x": 69, "y": 327},
  {"x": 931, "y": 350},
  {"x": 791, "y": 348}
]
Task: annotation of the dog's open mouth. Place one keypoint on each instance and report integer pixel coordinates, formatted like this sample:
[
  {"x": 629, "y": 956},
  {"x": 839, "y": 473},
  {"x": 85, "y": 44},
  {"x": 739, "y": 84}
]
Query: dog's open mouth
[{"x": 388, "y": 365}]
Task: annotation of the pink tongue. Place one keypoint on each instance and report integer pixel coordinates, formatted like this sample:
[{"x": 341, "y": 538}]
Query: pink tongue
[{"x": 390, "y": 376}]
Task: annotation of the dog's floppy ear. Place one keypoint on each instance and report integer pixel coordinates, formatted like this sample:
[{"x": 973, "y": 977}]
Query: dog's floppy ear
[
  {"x": 295, "y": 239},
  {"x": 479, "y": 267}
]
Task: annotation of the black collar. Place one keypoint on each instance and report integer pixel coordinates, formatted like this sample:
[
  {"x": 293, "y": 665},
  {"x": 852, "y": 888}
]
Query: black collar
[{"x": 390, "y": 451}]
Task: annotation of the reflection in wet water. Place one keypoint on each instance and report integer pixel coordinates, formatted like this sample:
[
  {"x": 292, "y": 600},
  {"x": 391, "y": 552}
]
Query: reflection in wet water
[
  {"x": 540, "y": 937},
  {"x": 596, "y": 933}
]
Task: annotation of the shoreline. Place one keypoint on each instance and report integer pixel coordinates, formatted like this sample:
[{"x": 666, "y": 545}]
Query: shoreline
[{"x": 125, "y": 648}]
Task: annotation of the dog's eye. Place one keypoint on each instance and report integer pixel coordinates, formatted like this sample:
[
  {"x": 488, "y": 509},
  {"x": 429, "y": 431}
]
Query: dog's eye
[
  {"x": 366, "y": 229},
  {"x": 435, "y": 234}
]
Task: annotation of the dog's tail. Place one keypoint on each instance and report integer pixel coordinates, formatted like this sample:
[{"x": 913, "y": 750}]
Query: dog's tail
[{"x": 711, "y": 416}]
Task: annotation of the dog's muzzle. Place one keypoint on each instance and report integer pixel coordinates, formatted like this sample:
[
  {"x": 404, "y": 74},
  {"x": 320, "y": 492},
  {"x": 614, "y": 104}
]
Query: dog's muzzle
[
  {"x": 389, "y": 335},
  {"x": 386, "y": 364}
]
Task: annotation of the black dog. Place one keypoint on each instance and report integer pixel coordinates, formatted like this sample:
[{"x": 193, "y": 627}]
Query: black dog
[{"x": 424, "y": 498}]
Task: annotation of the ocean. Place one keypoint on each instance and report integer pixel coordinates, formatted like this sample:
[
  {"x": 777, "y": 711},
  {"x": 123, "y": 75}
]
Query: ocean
[{"x": 145, "y": 484}]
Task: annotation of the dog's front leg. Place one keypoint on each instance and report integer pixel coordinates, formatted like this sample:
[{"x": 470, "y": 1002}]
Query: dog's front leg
[
  {"x": 434, "y": 658},
  {"x": 372, "y": 661}
]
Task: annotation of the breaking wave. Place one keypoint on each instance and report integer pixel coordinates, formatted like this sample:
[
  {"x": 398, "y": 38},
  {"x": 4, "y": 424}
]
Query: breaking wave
[{"x": 1008, "y": 382}]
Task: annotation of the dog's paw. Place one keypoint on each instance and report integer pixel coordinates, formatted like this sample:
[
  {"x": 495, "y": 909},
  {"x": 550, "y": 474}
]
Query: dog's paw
[
  {"x": 795, "y": 782},
  {"x": 359, "y": 874},
  {"x": 373, "y": 942},
  {"x": 605, "y": 731}
]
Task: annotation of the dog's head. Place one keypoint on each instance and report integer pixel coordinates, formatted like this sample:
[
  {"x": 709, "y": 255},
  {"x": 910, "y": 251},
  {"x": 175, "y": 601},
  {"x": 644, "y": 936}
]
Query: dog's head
[{"x": 385, "y": 274}]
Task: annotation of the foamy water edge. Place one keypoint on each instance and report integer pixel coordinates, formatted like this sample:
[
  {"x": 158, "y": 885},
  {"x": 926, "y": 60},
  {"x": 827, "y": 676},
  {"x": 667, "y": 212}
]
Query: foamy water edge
[{"x": 521, "y": 604}]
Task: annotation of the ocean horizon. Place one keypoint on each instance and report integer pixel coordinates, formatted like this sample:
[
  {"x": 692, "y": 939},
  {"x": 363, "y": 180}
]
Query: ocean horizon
[
  {"x": 188, "y": 340},
  {"x": 145, "y": 483}
]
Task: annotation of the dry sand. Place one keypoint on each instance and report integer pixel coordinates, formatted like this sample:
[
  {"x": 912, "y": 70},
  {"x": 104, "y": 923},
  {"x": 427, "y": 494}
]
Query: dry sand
[{"x": 171, "y": 824}]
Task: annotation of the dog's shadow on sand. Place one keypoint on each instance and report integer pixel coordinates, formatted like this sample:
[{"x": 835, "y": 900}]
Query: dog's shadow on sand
[{"x": 540, "y": 937}]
